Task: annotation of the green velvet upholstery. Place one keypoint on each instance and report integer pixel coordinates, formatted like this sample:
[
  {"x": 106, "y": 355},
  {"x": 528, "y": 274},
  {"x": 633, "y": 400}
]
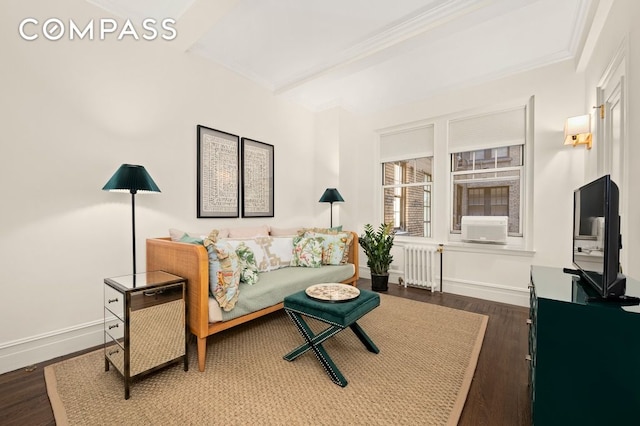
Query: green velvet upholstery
[{"x": 342, "y": 314}]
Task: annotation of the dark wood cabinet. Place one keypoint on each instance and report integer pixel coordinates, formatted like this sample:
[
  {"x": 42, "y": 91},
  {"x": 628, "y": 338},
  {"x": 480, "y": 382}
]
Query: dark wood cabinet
[{"x": 584, "y": 354}]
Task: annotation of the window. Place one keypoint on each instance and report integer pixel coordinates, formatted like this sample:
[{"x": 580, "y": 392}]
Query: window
[
  {"x": 488, "y": 167},
  {"x": 487, "y": 156},
  {"x": 488, "y": 183},
  {"x": 406, "y": 195}
]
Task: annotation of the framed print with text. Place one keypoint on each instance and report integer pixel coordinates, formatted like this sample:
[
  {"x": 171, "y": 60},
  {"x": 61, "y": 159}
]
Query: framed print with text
[
  {"x": 257, "y": 179},
  {"x": 218, "y": 178}
]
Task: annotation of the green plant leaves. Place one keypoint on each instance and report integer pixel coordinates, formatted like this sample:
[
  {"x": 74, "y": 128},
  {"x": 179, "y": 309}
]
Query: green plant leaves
[{"x": 377, "y": 246}]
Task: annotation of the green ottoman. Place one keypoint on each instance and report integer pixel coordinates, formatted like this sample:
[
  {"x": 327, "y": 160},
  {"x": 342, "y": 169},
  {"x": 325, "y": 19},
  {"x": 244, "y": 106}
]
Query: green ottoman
[{"x": 338, "y": 316}]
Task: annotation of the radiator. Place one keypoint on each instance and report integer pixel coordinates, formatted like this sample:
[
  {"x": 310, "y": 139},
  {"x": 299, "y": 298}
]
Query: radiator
[{"x": 420, "y": 266}]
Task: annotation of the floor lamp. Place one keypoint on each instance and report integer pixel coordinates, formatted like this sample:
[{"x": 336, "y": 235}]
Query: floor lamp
[
  {"x": 331, "y": 195},
  {"x": 131, "y": 178}
]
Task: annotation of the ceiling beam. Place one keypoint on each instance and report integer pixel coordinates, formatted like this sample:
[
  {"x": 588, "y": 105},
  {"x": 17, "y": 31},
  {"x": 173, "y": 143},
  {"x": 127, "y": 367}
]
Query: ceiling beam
[{"x": 359, "y": 55}]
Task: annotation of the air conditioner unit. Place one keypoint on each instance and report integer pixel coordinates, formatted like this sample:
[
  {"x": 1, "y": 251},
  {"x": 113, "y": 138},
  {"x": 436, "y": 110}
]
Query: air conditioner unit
[{"x": 485, "y": 229}]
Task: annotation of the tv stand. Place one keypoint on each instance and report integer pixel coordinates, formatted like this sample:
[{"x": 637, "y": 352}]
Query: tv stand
[
  {"x": 617, "y": 289},
  {"x": 623, "y": 300}
]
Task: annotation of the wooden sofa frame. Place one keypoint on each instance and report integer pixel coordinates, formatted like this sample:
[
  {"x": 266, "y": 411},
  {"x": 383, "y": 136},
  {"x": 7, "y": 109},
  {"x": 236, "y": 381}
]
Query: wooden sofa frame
[{"x": 191, "y": 261}]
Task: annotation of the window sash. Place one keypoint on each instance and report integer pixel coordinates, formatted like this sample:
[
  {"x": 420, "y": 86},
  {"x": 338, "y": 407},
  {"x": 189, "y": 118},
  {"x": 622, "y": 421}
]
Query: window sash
[
  {"x": 426, "y": 202},
  {"x": 515, "y": 175}
]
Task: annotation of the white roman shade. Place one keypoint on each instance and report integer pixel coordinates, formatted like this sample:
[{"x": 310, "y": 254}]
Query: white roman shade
[
  {"x": 407, "y": 144},
  {"x": 494, "y": 130}
]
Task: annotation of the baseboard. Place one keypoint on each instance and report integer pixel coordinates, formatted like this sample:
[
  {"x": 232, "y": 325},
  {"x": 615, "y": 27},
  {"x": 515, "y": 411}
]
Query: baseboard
[
  {"x": 29, "y": 351},
  {"x": 518, "y": 296},
  {"x": 488, "y": 291}
]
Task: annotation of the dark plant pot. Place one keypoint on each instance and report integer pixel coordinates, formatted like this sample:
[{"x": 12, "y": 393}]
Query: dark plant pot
[{"x": 380, "y": 282}]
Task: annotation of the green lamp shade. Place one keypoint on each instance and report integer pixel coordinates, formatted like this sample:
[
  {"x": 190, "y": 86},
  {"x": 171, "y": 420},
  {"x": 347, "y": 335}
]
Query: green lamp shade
[
  {"x": 331, "y": 195},
  {"x": 131, "y": 178}
]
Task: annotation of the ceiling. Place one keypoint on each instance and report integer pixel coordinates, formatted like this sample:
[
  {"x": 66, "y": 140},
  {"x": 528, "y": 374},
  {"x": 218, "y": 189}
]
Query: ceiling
[{"x": 367, "y": 55}]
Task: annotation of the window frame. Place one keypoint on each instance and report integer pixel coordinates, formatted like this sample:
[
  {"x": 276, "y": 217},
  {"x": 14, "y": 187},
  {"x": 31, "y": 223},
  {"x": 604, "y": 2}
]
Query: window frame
[
  {"x": 441, "y": 192},
  {"x": 427, "y": 188},
  {"x": 497, "y": 180},
  {"x": 519, "y": 243}
]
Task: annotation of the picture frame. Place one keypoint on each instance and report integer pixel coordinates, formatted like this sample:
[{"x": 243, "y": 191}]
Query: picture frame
[
  {"x": 218, "y": 173},
  {"x": 257, "y": 178}
]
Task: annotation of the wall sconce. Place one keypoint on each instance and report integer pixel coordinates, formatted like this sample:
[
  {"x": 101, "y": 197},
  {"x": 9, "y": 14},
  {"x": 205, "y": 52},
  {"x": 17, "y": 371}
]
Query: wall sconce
[{"x": 577, "y": 131}]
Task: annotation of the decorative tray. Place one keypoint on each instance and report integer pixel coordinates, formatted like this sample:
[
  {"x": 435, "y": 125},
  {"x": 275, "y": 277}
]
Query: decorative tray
[{"x": 332, "y": 292}]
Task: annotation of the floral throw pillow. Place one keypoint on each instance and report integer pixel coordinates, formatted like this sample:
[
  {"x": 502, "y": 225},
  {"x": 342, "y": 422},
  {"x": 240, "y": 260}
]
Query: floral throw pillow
[
  {"x": 335, "y": 246},
  {"x": 248, "y": 266},
  {"x": 307, "y": 252},
  {"x": 224, "y": 274},
  {"x": 255, "y": 245}
]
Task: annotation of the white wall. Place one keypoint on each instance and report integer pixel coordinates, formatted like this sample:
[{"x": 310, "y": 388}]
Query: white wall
[{"x": 73, "y": 112}]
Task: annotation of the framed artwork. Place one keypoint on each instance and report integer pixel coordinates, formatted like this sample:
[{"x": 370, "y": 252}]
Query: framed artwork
[
  {"x": 218, "y": 177},
  {"x": 257, "y": 179}
]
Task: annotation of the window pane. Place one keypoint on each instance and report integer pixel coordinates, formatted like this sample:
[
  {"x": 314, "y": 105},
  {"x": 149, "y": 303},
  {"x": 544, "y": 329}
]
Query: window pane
[
  {"x": 390, "y": 206},
  {"x": 416, "y": 170},
  {"x": 488, "y": 194},
  {"x": 389, "y": 174},
  {"x": 508, "y": 156},
  {"x": 462, "y": 161},
  {"x": 410, "y": 213}
]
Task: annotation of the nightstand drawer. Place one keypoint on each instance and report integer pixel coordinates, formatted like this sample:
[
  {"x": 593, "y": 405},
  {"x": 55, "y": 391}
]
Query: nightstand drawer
[
  {"x": 114, "y": 352},
  {"x": 114, "y": 301},
  {"x": 114, "y": 328},
  {"x": 154, "y": 297}
]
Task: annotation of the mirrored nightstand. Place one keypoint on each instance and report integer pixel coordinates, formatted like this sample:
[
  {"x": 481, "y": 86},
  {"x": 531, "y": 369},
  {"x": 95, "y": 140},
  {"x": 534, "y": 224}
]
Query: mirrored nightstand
[{"x": 144, "y": 323}]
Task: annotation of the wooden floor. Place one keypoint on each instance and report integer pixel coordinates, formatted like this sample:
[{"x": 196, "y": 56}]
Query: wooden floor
[{"x": 498, "y": 394}]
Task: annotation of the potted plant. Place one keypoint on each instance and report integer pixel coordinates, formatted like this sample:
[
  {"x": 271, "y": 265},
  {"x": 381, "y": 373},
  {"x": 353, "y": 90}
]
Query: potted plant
[{"x": 377, "y": 246}]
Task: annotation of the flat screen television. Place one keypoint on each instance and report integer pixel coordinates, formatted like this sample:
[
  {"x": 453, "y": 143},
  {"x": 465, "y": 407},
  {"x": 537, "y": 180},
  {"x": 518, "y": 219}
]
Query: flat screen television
[{"x": 596, "y": 237}]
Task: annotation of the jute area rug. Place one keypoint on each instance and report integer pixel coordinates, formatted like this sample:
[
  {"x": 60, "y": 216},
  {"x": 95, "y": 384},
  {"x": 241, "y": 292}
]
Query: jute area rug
[{"x": 422, "y": 374}]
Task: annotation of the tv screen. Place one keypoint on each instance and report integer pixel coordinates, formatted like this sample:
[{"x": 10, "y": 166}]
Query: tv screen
[{"x": 596, "y": 236}]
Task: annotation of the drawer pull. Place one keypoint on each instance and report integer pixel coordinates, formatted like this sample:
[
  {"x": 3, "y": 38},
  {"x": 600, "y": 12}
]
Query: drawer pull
[
  {"x": 114, "y": 352},
  {"x": 529, "y": 322},
  {"x": 112, "y": 300},
  {"x": 113, "y": 326},
  {"x": 528, "y": 357}
]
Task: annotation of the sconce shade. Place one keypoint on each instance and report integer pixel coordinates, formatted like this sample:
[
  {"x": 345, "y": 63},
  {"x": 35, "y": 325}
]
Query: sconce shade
[
  {"x": 131, "y": 178},
  {"x": 577, "y": 131},
  {"x": 331, "y": 195}
]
